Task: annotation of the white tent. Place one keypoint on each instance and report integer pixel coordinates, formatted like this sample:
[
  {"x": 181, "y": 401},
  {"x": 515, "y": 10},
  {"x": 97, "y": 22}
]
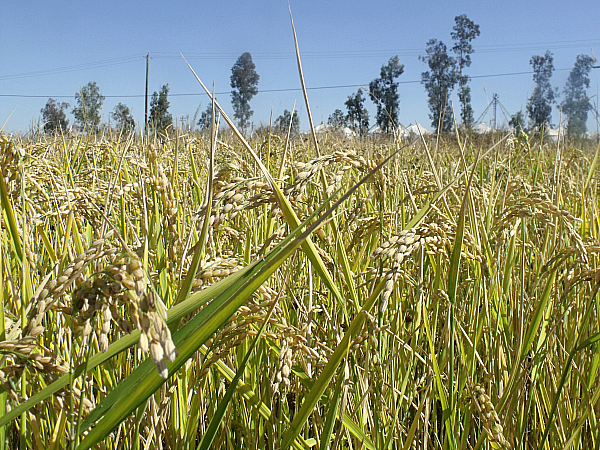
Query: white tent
[
  {"x": 415, "y": 130},
  {"x": 326, "y": 128},
  {"x": 553, "y": 134},
  {"x": 482, "y": 128},
  {"x": 348, "y": 132},
  {"x": 323, "y": 128}
]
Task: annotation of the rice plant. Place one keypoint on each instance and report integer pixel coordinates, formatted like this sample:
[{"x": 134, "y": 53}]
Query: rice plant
[{"x": 189, "y": 293}]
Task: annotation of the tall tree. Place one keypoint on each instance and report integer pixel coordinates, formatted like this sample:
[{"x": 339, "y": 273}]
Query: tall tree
[
  {"x": 282, "y": 123},
  {"x": 54, "y": 116},
  {"x": 465, "y": 30},
  {"x": 160, "y": 117},
  {"x": 337, "y": 119},
  {"x": 384, "y": 93},
  {"x": 439, "y": 81},
  {"x": 358, "y": 116},
  {"x": 87, "y": 113},
  {"x": 577, "y": 104},
  {"x": 124, "y": 121},
  {"x": 244, "y": 82},
  {"x": 539, "y": 106}
]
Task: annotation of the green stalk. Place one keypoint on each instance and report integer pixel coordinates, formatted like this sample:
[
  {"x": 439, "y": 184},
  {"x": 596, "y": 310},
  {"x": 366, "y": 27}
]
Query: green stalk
[
  {"x": 329, "y": 370},
  {"x": 3, "y": 393},
  {"x": 199, "y": 249},
  {"x": 217, "y": 418},
  {"x": 332, "y": 412},
  {"x": 13, "y": 229},
  {"x": 577, "y": 347},
  {"x": 25, "y": 295}
]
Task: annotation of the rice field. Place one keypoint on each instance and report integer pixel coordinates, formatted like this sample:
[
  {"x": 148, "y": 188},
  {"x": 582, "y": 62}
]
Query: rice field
[{"x": 200, "y": 291}]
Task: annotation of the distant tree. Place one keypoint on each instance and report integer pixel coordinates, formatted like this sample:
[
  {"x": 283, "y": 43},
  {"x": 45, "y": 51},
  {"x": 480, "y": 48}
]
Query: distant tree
[
  {"x": 244, "y": 82},
  {"x": 577, "y": 104},
  {"x": 124, "y": 121},
  {"x": 539, "y": 106},
  {"x": 439, "y": 81},
  {"x": 358, "y": 116},
  {"x": 87, "y": 113},
  {"x": 54, "y": 116},
  {"x": 384, "y": 93},
  {"x": 517, "y": 121},
  {"x": 337, "y": 119},
  {"x": 282, "y": 123},
  {"x": 206, "y": 117},
  {"x": 160, "y": 118},
  {"x": 465, "y": 30}
]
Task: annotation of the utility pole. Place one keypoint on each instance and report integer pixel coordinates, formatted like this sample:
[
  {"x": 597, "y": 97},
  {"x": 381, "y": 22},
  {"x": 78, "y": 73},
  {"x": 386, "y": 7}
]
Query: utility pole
[
  {"x": 495, "y": 100},
  {"x": 146, "y": 108}
]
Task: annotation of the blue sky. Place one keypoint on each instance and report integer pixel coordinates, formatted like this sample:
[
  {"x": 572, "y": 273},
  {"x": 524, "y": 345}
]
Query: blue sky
[{"x": 52, "y": 48}]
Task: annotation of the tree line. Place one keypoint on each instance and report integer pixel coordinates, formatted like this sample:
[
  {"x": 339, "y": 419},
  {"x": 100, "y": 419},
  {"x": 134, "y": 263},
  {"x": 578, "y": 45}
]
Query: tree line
[
  {"x": 446, "y": 70},
  {"x": 89, "y": 101},
  {"x": 88, "y": 108}
]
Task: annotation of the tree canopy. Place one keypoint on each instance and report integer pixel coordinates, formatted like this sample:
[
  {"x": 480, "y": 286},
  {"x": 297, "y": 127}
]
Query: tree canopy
[
  {"x": 206, "y": 117},
  {"x": 539, "y": 106},
  {"x": 282, "y": 123},
  {"x": 439, "y": 81},
  {"x": 244, "y": 84},
  {"x": 87, "y": 113},
  {"x": 337, "y": 119},
  {"x": 124, "y": 121},
  {"x": 160, "y": 118},
  {"x": 576, "y": 103},
  {"x": 517, "y": 121},
  {"x": 358, "y": 116},
  {"x": 465, "y": 30},
  {"x": 54, "y": 116},
  {"x": 384, "y": 93}
]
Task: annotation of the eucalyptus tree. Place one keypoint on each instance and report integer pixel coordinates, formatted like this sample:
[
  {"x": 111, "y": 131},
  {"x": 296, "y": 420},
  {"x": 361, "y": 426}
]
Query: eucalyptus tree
[
  {"x": 244, "y": 85},
  {"x": 88, "y": 109},
  {"x": 439, "y": 81},
  {"x": 539, "y": 106},
  {"x": 384, "y": 93},
  {"x": 576, "y": 103},
  {"x": 54, "y": 116},
  {"x": 465, "y": 30}
]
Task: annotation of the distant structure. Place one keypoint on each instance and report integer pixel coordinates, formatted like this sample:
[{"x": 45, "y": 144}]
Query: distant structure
[
  {"x": 414, "y": 131},
  {"x": 482, "y": 127},
  {"x": 323, "y": 128}
]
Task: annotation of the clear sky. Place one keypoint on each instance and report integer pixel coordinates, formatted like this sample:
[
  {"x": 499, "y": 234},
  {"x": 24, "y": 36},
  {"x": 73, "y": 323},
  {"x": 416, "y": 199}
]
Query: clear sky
[{"x": 53, "y": 48}]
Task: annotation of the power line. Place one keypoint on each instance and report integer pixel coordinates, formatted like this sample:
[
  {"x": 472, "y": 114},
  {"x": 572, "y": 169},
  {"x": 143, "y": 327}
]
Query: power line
[
  {"x": 315, "y": 88},
  {"x": 494, "y": 48},
  {"x": 59, "y": 70},
  {"x": 337, "y": 54}
]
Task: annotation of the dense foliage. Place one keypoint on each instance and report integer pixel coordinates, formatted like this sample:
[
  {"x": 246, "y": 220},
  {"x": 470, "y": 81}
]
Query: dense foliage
[
  {"x": 244, "y": 85},
  {"x": 465, "y": 30},
  {"x": 576, "y": 104},
  {"x": 539, "y": 106},
  {"x": 54, "y": 116},
  {"x": 88, "y": 108},
  {"x": 439, "y": 81},
  {"x": 124, "y": 121},
  {"x": 337, "y": 119},
  {"x": 384, "y": 93},
  {"x": 287, "y": 121},
  {"x": 357, "y": 116},
  {"x": 160, "y": 117}
]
